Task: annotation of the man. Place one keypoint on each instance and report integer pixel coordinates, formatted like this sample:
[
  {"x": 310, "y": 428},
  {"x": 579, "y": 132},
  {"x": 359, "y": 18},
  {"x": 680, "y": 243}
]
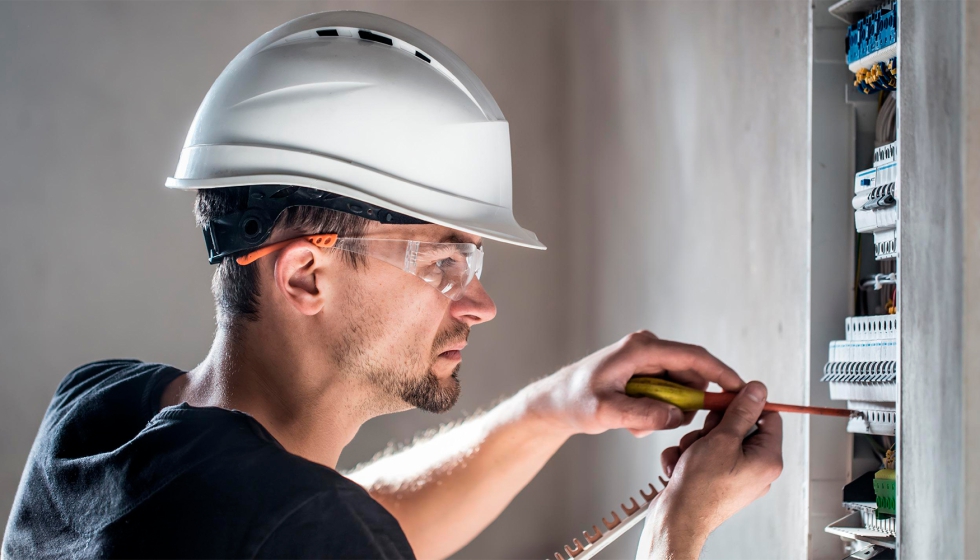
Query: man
[{"x": 348, "y": 168}]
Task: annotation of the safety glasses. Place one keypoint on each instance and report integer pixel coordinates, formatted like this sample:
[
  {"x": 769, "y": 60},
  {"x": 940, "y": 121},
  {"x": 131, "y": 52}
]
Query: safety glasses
[{"x": 447, "y": 267}]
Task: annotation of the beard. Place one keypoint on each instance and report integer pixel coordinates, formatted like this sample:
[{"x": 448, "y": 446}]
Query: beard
[
  {"x": 405, "y": 380},
  {"x": 426, "y": 392}
]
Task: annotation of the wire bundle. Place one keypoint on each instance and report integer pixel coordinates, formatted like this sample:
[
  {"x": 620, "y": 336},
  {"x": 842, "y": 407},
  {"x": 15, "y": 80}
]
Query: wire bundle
[
  {"x": 882, "y": 76},
  {"x": 885, "y": 123}
]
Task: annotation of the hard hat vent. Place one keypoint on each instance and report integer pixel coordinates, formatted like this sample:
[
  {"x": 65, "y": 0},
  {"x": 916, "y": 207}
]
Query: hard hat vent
[
  {"x": 371, "y": 36},
  {"x": 377, "y": 37},
  {"x": 364, "y": 34}
]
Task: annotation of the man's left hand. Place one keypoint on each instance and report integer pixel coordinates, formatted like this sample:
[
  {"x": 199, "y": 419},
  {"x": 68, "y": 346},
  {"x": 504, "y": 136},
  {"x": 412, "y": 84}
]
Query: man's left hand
[{"x": 589, "y": 396}]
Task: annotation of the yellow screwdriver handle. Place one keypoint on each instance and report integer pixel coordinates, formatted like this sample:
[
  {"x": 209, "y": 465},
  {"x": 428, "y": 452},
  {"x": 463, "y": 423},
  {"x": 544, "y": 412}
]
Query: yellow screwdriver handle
[{"x": 684, "y": 398}]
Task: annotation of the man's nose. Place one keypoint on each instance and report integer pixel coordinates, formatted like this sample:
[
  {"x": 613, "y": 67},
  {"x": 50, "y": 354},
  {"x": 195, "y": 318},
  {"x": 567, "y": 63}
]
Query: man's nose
[{"x": 475, "y": 306}]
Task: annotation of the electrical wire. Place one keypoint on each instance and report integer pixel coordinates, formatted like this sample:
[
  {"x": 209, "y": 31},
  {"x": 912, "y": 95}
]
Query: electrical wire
[
  {"x": 877, "y": 448},
  {"x": 885, "y": 123},
  {"x": 878, "y": 280},
  {"x": 857, "y": 274}
]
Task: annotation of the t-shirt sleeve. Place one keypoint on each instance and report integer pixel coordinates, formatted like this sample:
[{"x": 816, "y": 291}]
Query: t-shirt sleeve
[{"x": 325, "y": 526}]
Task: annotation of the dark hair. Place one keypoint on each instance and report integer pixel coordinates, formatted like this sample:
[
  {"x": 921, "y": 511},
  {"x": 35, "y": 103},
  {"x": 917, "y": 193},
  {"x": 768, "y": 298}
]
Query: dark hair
[{"x": 236, "y": 287}]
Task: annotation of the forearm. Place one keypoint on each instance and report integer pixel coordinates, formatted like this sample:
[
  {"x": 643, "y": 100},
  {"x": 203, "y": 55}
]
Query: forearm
[
  {"x": 668, "y": 537},
  {"x": 445, "y": 490}
]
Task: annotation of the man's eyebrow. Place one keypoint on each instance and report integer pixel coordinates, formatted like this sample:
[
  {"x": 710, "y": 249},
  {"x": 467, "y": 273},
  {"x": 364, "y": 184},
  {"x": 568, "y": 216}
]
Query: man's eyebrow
[{"x": 454, "y": 237}]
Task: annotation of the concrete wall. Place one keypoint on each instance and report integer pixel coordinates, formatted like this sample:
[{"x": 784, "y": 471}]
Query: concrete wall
[
  {"x": 687, "y": 175},
  {"x": 931, "y": 270},
  {"x": 971, "y": 277}
]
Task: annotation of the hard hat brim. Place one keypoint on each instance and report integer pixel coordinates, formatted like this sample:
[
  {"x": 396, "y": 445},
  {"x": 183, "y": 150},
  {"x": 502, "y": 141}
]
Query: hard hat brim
[{"x": 432, "y": 205}]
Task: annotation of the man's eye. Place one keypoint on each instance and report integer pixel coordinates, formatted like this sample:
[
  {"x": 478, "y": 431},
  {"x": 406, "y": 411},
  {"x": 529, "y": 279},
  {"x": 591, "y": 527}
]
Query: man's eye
[
  {"x": 433, "y": 275},
  {"x": 439, "y": 257}
]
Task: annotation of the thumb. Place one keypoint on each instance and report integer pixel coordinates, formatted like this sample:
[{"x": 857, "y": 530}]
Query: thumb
[{"x": 744, "y": 411}]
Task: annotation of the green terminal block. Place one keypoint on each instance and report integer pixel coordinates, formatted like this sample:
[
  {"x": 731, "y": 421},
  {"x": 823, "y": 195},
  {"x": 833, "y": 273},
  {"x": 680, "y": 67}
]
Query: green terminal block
[{"x": 884, "y": 484}]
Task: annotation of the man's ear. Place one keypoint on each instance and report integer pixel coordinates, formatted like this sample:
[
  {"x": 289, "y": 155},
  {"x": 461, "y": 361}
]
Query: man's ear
[{"x": 295, "y": 273}]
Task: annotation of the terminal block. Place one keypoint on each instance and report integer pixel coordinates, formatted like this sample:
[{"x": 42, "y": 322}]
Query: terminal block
[
  {"x": 886, "y": 154},
  {"x": 872, "y": 418},
  {"x": 865, "y": 523},
  {"x": 873, "y": 38},
  {"x": 886, "y": 244},
  {"x": 877, "y": 327},
  {"x": 872, "y": 49}
]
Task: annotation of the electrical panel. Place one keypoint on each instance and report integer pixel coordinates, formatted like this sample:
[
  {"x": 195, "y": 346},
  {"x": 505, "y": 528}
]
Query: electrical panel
[{"x": 863, "y": 368}]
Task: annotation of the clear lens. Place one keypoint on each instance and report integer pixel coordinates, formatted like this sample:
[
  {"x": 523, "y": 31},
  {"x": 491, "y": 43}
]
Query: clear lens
[{"x": 447, "y": 267}]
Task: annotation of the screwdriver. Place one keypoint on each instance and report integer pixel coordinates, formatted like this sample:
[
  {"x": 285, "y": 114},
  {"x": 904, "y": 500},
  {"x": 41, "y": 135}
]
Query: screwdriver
[{"x": 689, "y": 399}]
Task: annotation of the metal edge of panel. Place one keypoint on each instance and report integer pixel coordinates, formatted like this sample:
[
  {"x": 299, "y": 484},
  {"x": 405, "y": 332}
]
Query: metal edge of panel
[
  {"x": 830, "y": 172},
  {"x": 849, "y": 10}
]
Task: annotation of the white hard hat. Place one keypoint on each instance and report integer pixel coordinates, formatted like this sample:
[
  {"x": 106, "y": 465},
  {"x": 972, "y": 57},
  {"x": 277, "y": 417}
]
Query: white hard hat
[{"x": 367, "y": 108}]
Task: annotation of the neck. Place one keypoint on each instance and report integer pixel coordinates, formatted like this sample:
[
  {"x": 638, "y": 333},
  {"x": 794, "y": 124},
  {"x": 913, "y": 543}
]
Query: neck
[{"x": 311, "y": 414}]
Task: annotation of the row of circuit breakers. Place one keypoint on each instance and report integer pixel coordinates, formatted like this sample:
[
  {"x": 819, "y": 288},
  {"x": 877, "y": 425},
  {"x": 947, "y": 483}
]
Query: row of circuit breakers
[{"x": 862, "y": 369}]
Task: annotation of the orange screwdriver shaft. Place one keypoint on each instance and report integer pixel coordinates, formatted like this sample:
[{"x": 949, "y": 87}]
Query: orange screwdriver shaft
[{"x": 720, "y": 401}]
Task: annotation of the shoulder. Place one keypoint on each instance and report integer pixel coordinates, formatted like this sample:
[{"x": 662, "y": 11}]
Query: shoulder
[
  {"x": 94, "y": 376},
  {"x": 344, "y": 522},
  {"x": 292, "y": 507},
  {"x": 89, "y": 374}
]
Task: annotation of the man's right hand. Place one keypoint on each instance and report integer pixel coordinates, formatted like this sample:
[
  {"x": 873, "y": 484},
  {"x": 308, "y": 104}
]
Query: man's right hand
[{"x": 714, "y": 472}]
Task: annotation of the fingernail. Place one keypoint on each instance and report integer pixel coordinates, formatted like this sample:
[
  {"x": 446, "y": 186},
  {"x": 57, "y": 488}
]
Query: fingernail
[
  {"x": 756, "y": 391},
  {"x": 669, "y": 471},
  {"x": 676, "y": 417}
]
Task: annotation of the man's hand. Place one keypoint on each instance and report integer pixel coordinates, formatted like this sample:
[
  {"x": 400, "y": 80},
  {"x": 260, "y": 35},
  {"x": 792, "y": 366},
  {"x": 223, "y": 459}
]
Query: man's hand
[
  {"x": 714, "y": 472},
  {"x": 589, "y": 396}
]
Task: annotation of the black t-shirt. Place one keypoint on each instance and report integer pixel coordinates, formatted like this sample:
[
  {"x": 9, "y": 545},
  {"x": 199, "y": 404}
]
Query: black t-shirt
[{"x": 112, "y": 476}]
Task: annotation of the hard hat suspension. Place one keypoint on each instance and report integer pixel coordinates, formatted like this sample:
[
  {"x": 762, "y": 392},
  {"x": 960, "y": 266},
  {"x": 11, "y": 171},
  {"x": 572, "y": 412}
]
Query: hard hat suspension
[{"x": 252, "y": 225}]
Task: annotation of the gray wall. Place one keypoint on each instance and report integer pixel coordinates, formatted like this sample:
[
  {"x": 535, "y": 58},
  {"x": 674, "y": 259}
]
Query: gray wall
[
  {"x": 971, "y": 277},
  {"x": 687, "y": 161},
  {"x": 931, "y": 271}
]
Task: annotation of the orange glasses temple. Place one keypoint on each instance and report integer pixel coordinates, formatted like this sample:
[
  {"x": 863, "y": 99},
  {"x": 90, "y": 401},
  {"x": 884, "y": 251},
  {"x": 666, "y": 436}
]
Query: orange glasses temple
[{"x": 324, "y": 241}]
